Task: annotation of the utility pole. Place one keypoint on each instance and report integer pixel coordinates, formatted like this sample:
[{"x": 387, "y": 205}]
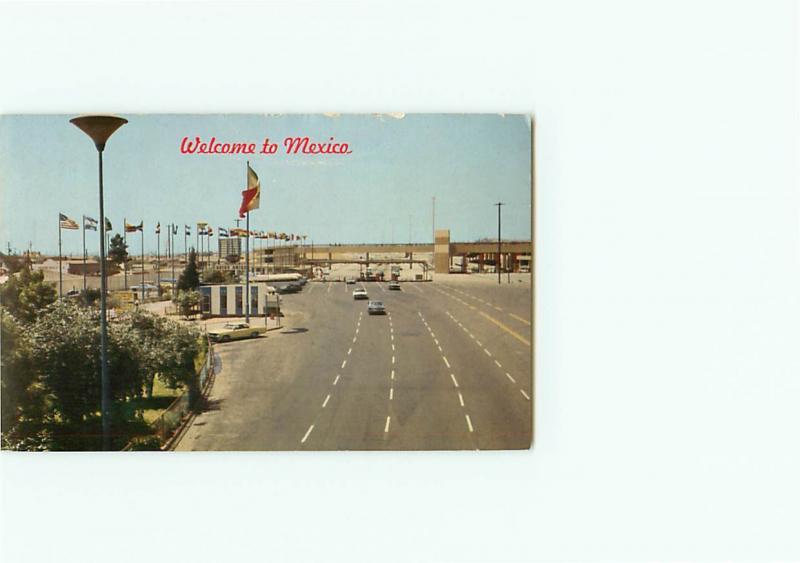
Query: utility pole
[
  {"x": 499, "y": 204},
  {"x": 433, "y": 221}
]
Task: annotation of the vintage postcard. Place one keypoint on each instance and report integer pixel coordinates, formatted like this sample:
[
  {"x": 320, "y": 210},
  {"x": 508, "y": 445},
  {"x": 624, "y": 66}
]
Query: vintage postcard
[{"x": 266, "y": 282}]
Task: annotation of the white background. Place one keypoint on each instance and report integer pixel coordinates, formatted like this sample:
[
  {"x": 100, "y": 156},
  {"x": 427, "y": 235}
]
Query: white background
[{"x": 668, "y": 246}]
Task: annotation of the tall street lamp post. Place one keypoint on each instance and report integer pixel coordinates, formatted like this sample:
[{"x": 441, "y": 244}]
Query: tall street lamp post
[{"x": 99, "y": 128}]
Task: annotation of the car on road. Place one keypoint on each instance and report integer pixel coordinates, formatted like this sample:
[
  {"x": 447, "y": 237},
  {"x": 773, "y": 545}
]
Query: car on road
[
  {"x": 395, "y": 285},
  {"x": 289, "y": 288},
  {"x": 376, "y": 308},
  {"x": 349, "y": 280},
  {"x": 235, "y": 331},
  {"x": 360, "y": 293}
]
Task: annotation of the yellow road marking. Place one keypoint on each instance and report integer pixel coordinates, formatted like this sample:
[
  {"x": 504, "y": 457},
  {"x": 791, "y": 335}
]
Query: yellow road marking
[
  {"x": 520, "y": 319},
  {"x": 505, "y": 328}
]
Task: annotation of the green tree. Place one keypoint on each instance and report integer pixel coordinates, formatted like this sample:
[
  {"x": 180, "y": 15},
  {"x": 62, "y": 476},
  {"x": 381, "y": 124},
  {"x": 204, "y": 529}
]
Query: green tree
[
  {"x": 26, "y": 294},
  {"x": 187, "y": 302},
  {"x": 16, "y": 262},
  {"x": 118, "y": 250},
  {"x": 168, "y": 349},
  {"x": 218, "y": 276},
  {"x": 66, "y": 344},
  {"x": 22, "y": 399},
  {"x": 189, "y": 278}
]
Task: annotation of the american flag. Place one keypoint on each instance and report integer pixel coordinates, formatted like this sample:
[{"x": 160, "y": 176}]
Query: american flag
[{"x": 65, "y": 222}]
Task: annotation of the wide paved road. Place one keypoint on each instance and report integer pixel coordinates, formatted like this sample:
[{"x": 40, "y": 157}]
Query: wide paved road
[{"x": 449, "y": 367}]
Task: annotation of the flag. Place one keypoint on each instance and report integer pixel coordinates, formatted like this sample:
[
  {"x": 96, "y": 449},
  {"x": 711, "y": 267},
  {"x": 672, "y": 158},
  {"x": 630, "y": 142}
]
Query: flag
[
  {"x": 210, "y": 231},
  {"x": 252, "y": 195},
  {"x": 134, "y": 228},
  {"x": 188, "y": 230},
  {"x": 65, "y": 222},
  {"x": 158, "y": 228},
  {"x": 222, "y": 232},
  {"x": 272, "y": 234},
  {"x": 174, "y": 229},
  {"x": 108, "y": 225},
  {"x": 89, "y": 223}
]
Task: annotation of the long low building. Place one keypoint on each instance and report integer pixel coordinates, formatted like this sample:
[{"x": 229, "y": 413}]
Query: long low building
[{"x": 228, "y": 300}]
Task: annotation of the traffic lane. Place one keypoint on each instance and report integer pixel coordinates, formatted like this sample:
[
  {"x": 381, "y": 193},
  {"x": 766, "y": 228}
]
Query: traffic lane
[
  {"x": 500, "y": 416},
  {"x": 427, "y": 412},
  {"x": 314, "y": 368},
  {"x": 508, "y": 300},
  {"x": 508, "y": 346},
  {"x": 260, "y": 400},
  {"x": 355, "y": 417}
]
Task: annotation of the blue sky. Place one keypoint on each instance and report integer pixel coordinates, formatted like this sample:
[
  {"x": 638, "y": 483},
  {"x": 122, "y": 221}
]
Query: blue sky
[{"x": 378, "y": 193}]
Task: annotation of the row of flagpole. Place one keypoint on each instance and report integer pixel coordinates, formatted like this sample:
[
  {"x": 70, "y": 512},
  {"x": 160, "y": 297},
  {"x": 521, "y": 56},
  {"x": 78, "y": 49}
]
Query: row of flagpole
[
  {"x": 250, "y": 201},
  {"x": 202, "y": 230}
]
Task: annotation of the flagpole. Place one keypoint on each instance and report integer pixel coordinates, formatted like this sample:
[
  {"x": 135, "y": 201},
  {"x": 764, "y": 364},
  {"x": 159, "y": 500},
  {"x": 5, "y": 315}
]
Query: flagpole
[
  {"x": 125, "y": 240},
  {"x": 60, "y": 281},
  {"x": 247, "y": 268},
  {"x": 142, "y": 231},
  {"x": 172, "y": 250},
  {"x": 158, "y": 258},
  {"x": 84, "y": 255}
]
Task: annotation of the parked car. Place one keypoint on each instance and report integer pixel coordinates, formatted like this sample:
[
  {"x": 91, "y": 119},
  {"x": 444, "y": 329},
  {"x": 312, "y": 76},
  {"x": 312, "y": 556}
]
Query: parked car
[
  {"x": 395, "y": 285},
  {"x": 360, "y": 293},
  {"x": 235, "y": 331},
  {"x": 349, "y": 280},
  {"x": 376, "y": 308}
]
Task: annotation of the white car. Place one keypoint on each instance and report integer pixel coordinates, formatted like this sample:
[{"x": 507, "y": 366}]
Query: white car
[{"x": 360, "y": 293}]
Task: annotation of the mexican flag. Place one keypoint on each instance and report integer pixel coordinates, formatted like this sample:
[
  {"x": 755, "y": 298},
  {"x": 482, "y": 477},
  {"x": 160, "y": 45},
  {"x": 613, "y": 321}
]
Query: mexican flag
[{"x": 251, "y": 196}]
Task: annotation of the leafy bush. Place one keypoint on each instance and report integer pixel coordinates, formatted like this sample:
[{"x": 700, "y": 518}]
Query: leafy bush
[{"x": 150, "y": 443}]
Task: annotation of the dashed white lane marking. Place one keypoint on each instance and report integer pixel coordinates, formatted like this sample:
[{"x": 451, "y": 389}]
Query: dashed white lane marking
[
  {"x": 310, "y": 428},
  {"x": 453, "y": 377},
  {"x": 392, "y": 347},
  {"x": 524, "y": 394},
  {"x": 325, "y": 402},
  {"x": 488, "y": 353},
  {"x": 348, "y": 352},
  {"x": 388, "y": 421},
  {"x": 478, "y": 342},
  {"x": 434, "y": 335},
  {"x": 354, "y": 338},
  {"x": 445, "y": 361},
  {"x": 392, "y": 374},
  {"x": 472, "y": 336},
  {"x": 439, "y": 347},
  {"x": 391, "y": 393},
  {"x": 508, "y": 375},
  {"x": 344, "y": 363},
  {"x": 391, "y": 330},
  {"x": 460, "y": 398},
  {"x": 335, "y": 381},
  {"x": 391, "y": 336},
  {"x": 469, "y": 422},
  {"x": 357, "y": 331},
  {"x": 392, "y": 359},
  {"x": 498, "y": 308},
  {"x": 498, "y": 364},
  {"x": 437, "y": 342}
]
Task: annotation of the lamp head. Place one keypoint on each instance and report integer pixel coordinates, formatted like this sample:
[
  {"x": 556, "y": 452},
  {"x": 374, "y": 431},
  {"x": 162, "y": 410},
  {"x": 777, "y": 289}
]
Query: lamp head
[{"x": 98, "y": 127}]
